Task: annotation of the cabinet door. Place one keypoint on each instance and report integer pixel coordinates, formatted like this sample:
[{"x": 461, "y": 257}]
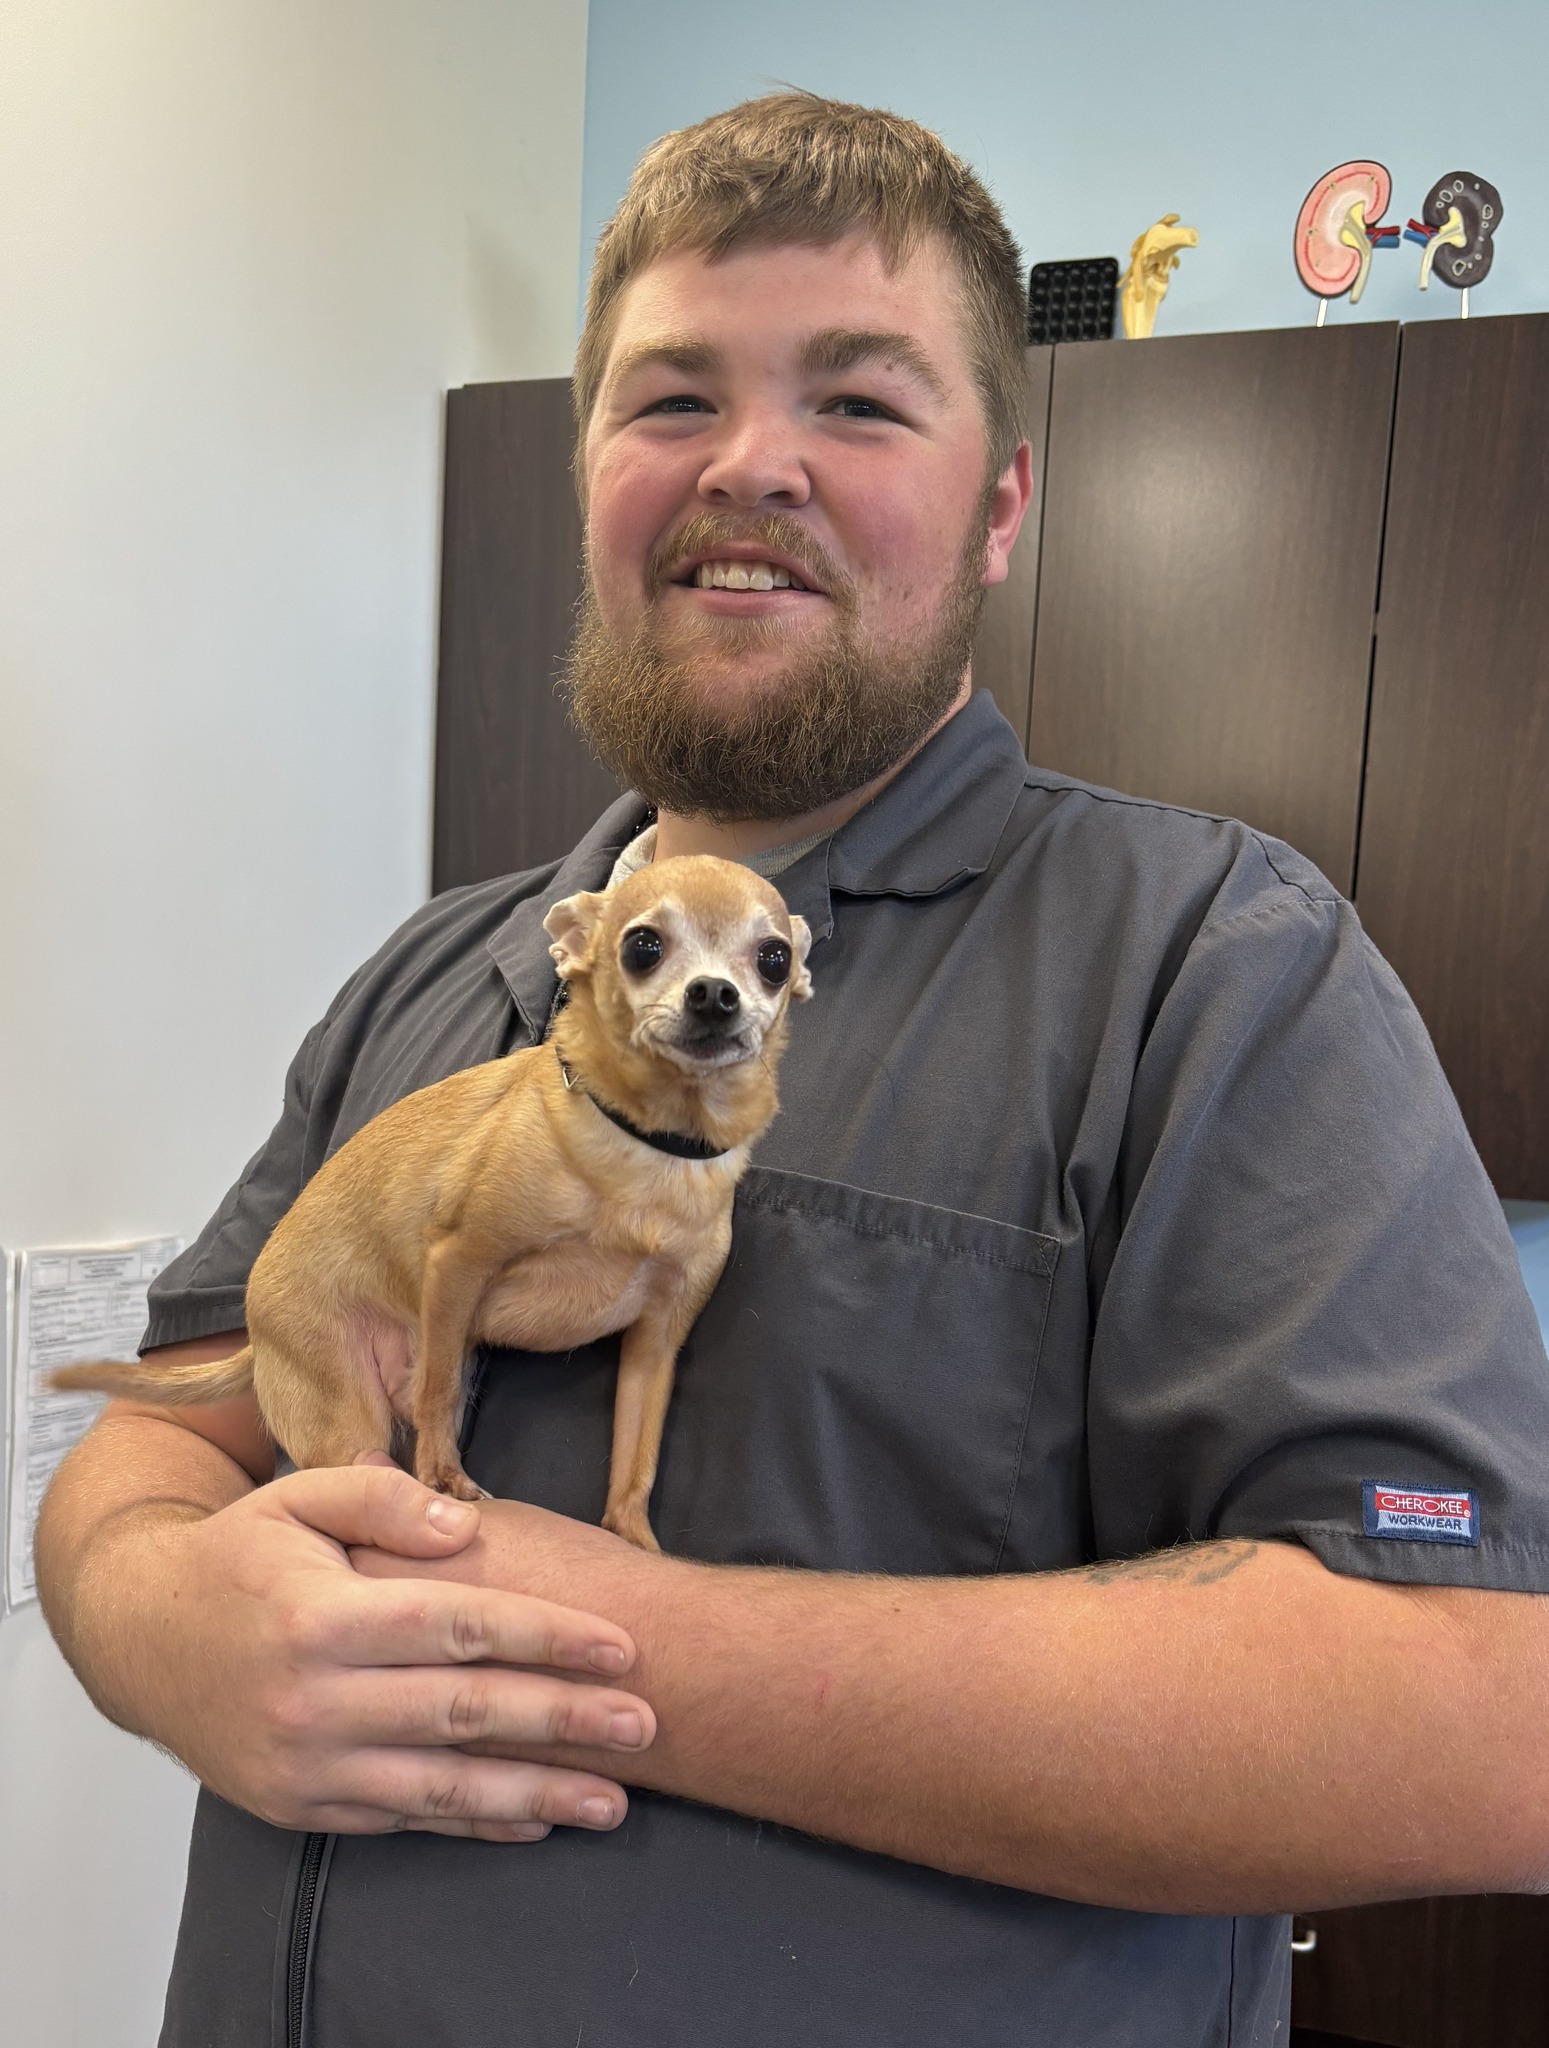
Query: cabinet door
[
  {"x": 1427, "y": 1973},
  {"x": 1211, "y": 535},
  {"x": 1453, "y": 882},
  {"x": 515, "y": 784}
]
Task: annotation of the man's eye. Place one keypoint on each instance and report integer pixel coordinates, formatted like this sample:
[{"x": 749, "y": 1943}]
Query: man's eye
[
  {"x": 680, "y": 402},
  {"x": 641, "y": 950},
  {"x": 861, "y": 409},
  {"x": 774, "y": 962}
]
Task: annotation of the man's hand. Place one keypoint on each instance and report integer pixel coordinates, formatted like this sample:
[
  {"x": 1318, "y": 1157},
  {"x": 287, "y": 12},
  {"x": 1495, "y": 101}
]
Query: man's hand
[
  {"x": 532, "y": 1552},
  {"x": 243, "y": 1641}
]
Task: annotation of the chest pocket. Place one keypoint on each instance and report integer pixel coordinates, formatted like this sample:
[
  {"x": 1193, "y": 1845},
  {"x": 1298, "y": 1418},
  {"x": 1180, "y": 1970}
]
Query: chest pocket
[{"x": 854, "y": 1397}]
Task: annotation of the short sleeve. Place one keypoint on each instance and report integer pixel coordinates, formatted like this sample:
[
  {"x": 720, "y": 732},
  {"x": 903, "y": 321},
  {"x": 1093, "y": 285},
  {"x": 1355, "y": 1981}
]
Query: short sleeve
[
  {"x": 202, "y": 1292},
  {"x": 1313, "y": 1306}
]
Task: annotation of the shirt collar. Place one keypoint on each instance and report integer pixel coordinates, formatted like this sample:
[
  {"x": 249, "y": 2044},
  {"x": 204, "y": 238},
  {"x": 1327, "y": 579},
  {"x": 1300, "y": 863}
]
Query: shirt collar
[{"x": 936, "y": 823}]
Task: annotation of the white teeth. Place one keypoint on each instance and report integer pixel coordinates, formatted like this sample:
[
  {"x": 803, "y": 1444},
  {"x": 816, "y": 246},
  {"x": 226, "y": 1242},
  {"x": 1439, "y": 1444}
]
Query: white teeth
[{"x": 745, "y": 576}]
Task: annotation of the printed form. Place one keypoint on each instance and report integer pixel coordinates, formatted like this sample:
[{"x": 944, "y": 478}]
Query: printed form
[
  {"x": 7, "y": 1315},
  {"x": 73, "y": 1302}
]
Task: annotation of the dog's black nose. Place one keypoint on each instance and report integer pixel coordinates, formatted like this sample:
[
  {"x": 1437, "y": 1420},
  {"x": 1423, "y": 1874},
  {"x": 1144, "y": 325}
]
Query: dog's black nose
[{"x": 710, "y": 1000}]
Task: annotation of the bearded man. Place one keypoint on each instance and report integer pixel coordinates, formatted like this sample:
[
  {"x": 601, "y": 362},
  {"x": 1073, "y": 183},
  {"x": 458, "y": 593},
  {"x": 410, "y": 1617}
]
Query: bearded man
[{"x": 1030, "y": 1639}]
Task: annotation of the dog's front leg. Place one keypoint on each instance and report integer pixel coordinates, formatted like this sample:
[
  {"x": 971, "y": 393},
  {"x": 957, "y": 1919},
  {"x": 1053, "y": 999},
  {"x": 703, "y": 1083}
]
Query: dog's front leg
[
  {"x": 450, "y": 1292},
  {"x": 648, "y": 1359}
]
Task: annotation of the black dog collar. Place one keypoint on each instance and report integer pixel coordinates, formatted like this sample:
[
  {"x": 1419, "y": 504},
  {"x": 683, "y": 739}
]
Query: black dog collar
[{"x": 661, "y": 1141}]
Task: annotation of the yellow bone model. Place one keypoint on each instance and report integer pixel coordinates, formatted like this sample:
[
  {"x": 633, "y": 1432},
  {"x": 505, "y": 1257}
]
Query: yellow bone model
[{"x": 1152, "y": 259}]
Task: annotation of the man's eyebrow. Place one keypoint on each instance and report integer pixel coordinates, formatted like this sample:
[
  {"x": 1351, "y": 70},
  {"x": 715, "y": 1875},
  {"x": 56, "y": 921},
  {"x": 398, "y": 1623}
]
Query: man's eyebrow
[
  {"x": 844, "y": 348},
  {"x": 669, "y": 352}
]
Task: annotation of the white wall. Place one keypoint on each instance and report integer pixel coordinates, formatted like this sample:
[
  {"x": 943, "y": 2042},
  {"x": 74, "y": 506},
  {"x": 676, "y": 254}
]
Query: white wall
[{"x": 244, "y": 247}]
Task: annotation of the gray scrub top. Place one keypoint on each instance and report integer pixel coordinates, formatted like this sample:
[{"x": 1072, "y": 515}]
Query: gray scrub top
[{"x": 1116, "y": 1201}]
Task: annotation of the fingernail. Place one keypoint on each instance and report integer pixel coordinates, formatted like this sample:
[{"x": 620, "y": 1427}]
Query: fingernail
[
  {"x": 626, "y": 1731},
  {"x": 529, "y": 1831},
  {"x": 606, "y": 1657},
  {"x": 449, "y": 1516},
  {"x": 596, "y": 1813}
]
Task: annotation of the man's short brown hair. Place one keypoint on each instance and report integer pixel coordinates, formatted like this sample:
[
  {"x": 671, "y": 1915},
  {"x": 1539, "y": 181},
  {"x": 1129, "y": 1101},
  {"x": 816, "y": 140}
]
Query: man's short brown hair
[{"x": 792, "y": 167}]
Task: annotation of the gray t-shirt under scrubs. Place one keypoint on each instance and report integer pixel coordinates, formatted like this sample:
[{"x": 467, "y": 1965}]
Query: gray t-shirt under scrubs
[{"x": 1116, "y": 1201}]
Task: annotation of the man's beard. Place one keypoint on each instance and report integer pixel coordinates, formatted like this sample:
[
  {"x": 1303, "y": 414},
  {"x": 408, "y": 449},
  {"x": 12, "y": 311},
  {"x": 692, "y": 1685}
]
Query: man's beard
[{"x": 672, "y": 723}]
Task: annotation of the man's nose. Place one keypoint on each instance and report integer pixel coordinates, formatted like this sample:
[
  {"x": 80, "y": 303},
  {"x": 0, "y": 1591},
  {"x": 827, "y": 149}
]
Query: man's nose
[{"x": 755, "y": 461}]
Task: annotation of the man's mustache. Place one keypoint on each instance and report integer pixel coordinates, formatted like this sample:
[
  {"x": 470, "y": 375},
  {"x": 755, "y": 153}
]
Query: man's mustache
[{"x": 776, "y": 531}]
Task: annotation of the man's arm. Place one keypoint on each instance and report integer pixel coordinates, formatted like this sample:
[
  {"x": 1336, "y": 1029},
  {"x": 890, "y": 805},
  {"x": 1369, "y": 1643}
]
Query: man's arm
[
  {"x": 1224, "y": 1728},
  {"x": 221, "y": 1618}
]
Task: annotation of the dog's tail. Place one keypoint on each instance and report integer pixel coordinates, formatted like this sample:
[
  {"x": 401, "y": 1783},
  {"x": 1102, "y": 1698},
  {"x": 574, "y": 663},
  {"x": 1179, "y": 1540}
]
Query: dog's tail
[{"x": 168, "y": 1386}]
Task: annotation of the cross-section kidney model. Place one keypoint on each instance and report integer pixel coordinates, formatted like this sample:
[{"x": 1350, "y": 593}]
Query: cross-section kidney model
[{"x": 1338, "y": 229}]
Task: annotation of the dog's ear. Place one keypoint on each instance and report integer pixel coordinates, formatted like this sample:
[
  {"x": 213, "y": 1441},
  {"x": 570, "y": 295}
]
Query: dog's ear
[
  {"x": 801, "y": 939},
  {"x": 572, "y": 926}
]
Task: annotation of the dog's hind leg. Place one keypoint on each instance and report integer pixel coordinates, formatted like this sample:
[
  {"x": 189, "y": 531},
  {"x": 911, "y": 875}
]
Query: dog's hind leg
[
  {"x": 323, "y": 1418},
  {"x": 450, "y": 1292}
]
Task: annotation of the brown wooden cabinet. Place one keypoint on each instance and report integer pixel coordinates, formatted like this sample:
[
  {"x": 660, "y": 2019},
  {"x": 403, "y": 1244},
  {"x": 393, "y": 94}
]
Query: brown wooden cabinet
[
  {"x": 515, "y": 787},
  {"x": 1427, "y": 1973},
  {"x": 1453, "y": 882},
  {"x": 1212, "y": 533},
  {"x": 1221, "y": 515}
]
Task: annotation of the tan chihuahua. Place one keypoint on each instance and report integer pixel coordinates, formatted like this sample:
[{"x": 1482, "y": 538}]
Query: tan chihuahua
[{"x": 543, "y": 1200}]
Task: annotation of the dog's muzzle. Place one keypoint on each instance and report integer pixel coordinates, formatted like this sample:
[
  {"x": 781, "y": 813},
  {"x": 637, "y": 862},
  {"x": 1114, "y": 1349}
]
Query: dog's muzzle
[
  {"x": 712, "y": 1026},
  {"x": 712, "y": 1003}
]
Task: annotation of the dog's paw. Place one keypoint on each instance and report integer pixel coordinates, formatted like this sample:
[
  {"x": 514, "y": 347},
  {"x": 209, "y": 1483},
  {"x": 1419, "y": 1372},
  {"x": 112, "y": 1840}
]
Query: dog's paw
[
  {"x": 461, "y": 1487},
  {"x": 447, "y": 1476},
  {"x": 629, "y": 1520}
]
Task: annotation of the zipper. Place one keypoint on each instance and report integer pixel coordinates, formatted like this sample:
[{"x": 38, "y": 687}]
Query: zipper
[{"x": 312, "y": 1850}]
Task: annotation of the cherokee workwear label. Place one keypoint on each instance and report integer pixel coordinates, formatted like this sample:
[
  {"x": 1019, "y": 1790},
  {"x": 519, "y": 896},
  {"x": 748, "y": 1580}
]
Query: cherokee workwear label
[{"x": 1421, "y": 1514}]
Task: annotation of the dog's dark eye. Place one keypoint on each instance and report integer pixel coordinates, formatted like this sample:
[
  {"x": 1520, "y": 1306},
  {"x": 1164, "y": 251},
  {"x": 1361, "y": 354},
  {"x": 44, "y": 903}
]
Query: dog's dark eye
[
  {"x": 642, "y": 950},
  {"x": 774, "y": 962}
]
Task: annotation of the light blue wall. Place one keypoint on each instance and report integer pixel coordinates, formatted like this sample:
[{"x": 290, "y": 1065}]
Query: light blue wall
[{"x": 1088, "y": 121}]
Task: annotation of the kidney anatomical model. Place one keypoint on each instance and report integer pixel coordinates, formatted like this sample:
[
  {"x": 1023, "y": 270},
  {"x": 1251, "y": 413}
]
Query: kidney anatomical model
[
  {"x": 1337, "y": 229},
  {"x": 1459, "y": 219}
]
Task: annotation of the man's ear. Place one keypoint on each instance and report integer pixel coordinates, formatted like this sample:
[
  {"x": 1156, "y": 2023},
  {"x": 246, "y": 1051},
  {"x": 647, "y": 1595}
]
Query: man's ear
[
  {"x": 572, "y": 925},
  {"x": 1008, "y": 504},
  {"x": 801, "y": 940}
]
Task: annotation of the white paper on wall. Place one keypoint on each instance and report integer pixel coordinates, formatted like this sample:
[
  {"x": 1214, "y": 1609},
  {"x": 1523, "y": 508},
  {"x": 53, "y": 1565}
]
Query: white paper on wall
[
  {"x": 7, "y": 1311},
  {"x": 73, "y": 1302}
]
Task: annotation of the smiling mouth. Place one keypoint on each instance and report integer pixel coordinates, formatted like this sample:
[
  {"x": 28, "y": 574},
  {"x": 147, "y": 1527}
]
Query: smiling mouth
[{"x": 744, "y": 576}]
